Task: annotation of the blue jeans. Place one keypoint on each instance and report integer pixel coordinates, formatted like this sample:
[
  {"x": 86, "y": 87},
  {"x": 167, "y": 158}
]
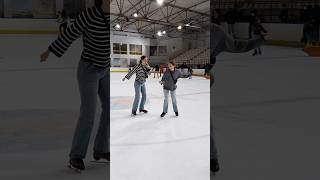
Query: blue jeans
[
  {"x": 139, "y": 87},
  {"x": 93, "y": 82},
  {"x": 166, "y": 100}
]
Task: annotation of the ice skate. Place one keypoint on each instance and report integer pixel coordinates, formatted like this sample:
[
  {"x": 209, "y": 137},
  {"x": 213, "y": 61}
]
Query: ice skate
[{"x": 76, "y": 165}]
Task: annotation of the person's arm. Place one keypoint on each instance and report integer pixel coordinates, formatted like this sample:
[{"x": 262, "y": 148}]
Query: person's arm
[
  {"x": 64, "y": 40},
  {"x": 130, "y": 73},
  {"x": 164, "y": 77},
  {"x": 221, "y": 41},
  {"x": 149, "y": 69},
  {"x": 263, "y": 29}
]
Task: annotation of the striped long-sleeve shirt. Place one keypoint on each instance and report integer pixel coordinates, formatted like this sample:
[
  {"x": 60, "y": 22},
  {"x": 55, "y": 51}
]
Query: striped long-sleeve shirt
[
  {"x": 95, "y": 32},
  {"x": 142, "y": 72}
]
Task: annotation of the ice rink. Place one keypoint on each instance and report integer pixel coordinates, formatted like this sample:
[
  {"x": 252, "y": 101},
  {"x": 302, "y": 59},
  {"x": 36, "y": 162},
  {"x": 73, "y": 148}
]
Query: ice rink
[
  {"x": 150, "y": 147},
  {"x": 266, "y": 116}
]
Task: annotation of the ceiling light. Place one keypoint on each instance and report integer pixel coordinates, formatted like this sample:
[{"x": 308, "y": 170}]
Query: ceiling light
[
  {"x": 117, "y": 26},
  {"x": 135, "y": 15},
  {"x": 164, "y": 32},
  {"x": 159, "y": 33},
  {"x": 179, "y": 27},
  {"x": 160, "y": 2}
]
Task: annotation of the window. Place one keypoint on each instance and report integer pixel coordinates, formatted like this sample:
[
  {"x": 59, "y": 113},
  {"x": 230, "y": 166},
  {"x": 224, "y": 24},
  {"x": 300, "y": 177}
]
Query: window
[
  {"x": 153, "y": 51},
  {"x": 133, "y": 62},
  {"x": 31, "y": 9},
  {"x": 135, "y": 49},
  {"x": 119, "y": 62},
  {"x": 119, "y": 48},
  {"x": 162, "y": 50}
]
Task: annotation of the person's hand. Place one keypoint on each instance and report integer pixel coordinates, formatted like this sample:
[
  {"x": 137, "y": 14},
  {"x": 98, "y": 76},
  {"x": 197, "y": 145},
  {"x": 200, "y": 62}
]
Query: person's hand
[
  {"x": 123, "y": 79},
  {"x": 44, "y": 56}
]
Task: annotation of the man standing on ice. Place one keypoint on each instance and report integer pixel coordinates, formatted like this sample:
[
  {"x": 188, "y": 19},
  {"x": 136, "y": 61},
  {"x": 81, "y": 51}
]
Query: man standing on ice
[
  {"x": 93, "y": 78},
  {"x": 221, "y": 41}
]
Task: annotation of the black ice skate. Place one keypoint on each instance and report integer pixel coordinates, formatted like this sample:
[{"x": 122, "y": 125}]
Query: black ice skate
[
  {"x": 77, "y": 165},
  {"x": 105, "y": 157},
  {"x": 163, "y": 114},
  {"x": 143, "y": 111},
  {"x": 177, "y": 114},
  {"x": 214, "y": 165},
  {"x": 134, "y": 114}
]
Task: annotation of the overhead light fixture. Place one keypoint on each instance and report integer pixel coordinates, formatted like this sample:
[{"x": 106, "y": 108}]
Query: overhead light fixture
[
  {"x": 117, "y": 26},
  {"x": 164, "y": 32},
  {"x": 159, "y": 33},
  {"x": 188, "y": 24},
  {"x": 160, "y": 2},
  {"x": 135, "y": 15},
  {"x": 179, "y": 27}
]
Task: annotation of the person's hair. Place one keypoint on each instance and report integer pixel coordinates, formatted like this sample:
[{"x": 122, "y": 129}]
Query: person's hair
[
  {"x": 171, "y": 62},
  {"x": 142, "y": 58},
  {"x": 98, "y": 3}
]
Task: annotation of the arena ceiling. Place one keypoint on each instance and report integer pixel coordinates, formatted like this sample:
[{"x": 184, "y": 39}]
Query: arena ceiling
[{"x": 150, "y": 17}]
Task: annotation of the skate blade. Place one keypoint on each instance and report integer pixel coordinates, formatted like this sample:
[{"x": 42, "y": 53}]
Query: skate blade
[{"x": 74, "y": 168}]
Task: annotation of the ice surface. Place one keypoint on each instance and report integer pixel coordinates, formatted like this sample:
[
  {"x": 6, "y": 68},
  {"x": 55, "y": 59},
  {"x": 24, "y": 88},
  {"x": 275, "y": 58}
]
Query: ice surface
[{"x": 150, "y": 147}]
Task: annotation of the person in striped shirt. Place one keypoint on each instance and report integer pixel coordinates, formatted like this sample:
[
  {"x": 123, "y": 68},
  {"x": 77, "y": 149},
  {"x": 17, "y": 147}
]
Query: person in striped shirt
[
  {"x": 142, "y": 71},
  {"x": 93, "y": 78}
]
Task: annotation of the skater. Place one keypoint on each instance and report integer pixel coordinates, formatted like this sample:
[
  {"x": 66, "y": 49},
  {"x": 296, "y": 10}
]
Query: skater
[
  {"x": 142, "y": 70},
  {"x": 221, "y": 41},
  {"x": 161, "y": 70},
  {"x": 258, "y": 31},
  {"x": 156, "y": 71},
  {"x": 169, "y": 82},
  {"x": 186, "y": 70},
  {"x": 93, "y": 78}
]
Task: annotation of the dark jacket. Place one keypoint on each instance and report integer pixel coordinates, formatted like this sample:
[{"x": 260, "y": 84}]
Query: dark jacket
[{"x": 170, "y": 79}]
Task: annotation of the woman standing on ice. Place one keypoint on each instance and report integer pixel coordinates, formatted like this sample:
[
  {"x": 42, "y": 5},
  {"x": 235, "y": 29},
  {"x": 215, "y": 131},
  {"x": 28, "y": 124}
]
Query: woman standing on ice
[
  {"x": 142, "y": 70},
  {"x": 221, "y": 41},
  {"x": 93, "y": 78},
  {"x": 169, "y": 82}
]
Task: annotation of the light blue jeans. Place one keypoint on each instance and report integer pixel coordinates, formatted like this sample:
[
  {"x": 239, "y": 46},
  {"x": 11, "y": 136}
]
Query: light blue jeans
[
  {"x": 139, "y": 88},
  {"x": 166, "y": 100},
  {"x": 93, "y": 82}
]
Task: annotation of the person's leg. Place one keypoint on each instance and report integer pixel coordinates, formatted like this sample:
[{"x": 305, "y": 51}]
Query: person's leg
[
  {"x": 165, "y": 102},
  {"x": 88, "y": 85},
  {"x": 144, "y": 96},
  {"x": 213, "y": 149},
  {"x": 137, "y": 87},
  {"x": 174, "y": 101},
  {"x": 259, "y": 49},
  {"x": 102, "y": 141},
  {"x": 214, "y": 164}
]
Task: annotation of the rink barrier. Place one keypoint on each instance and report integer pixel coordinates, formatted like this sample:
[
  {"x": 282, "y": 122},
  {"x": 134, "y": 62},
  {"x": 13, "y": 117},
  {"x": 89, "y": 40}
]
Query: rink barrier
[
  {"x": 285, "y": 43},
  {"x": 33, "y": 32},
  {"x": 197, "y": 72}
]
